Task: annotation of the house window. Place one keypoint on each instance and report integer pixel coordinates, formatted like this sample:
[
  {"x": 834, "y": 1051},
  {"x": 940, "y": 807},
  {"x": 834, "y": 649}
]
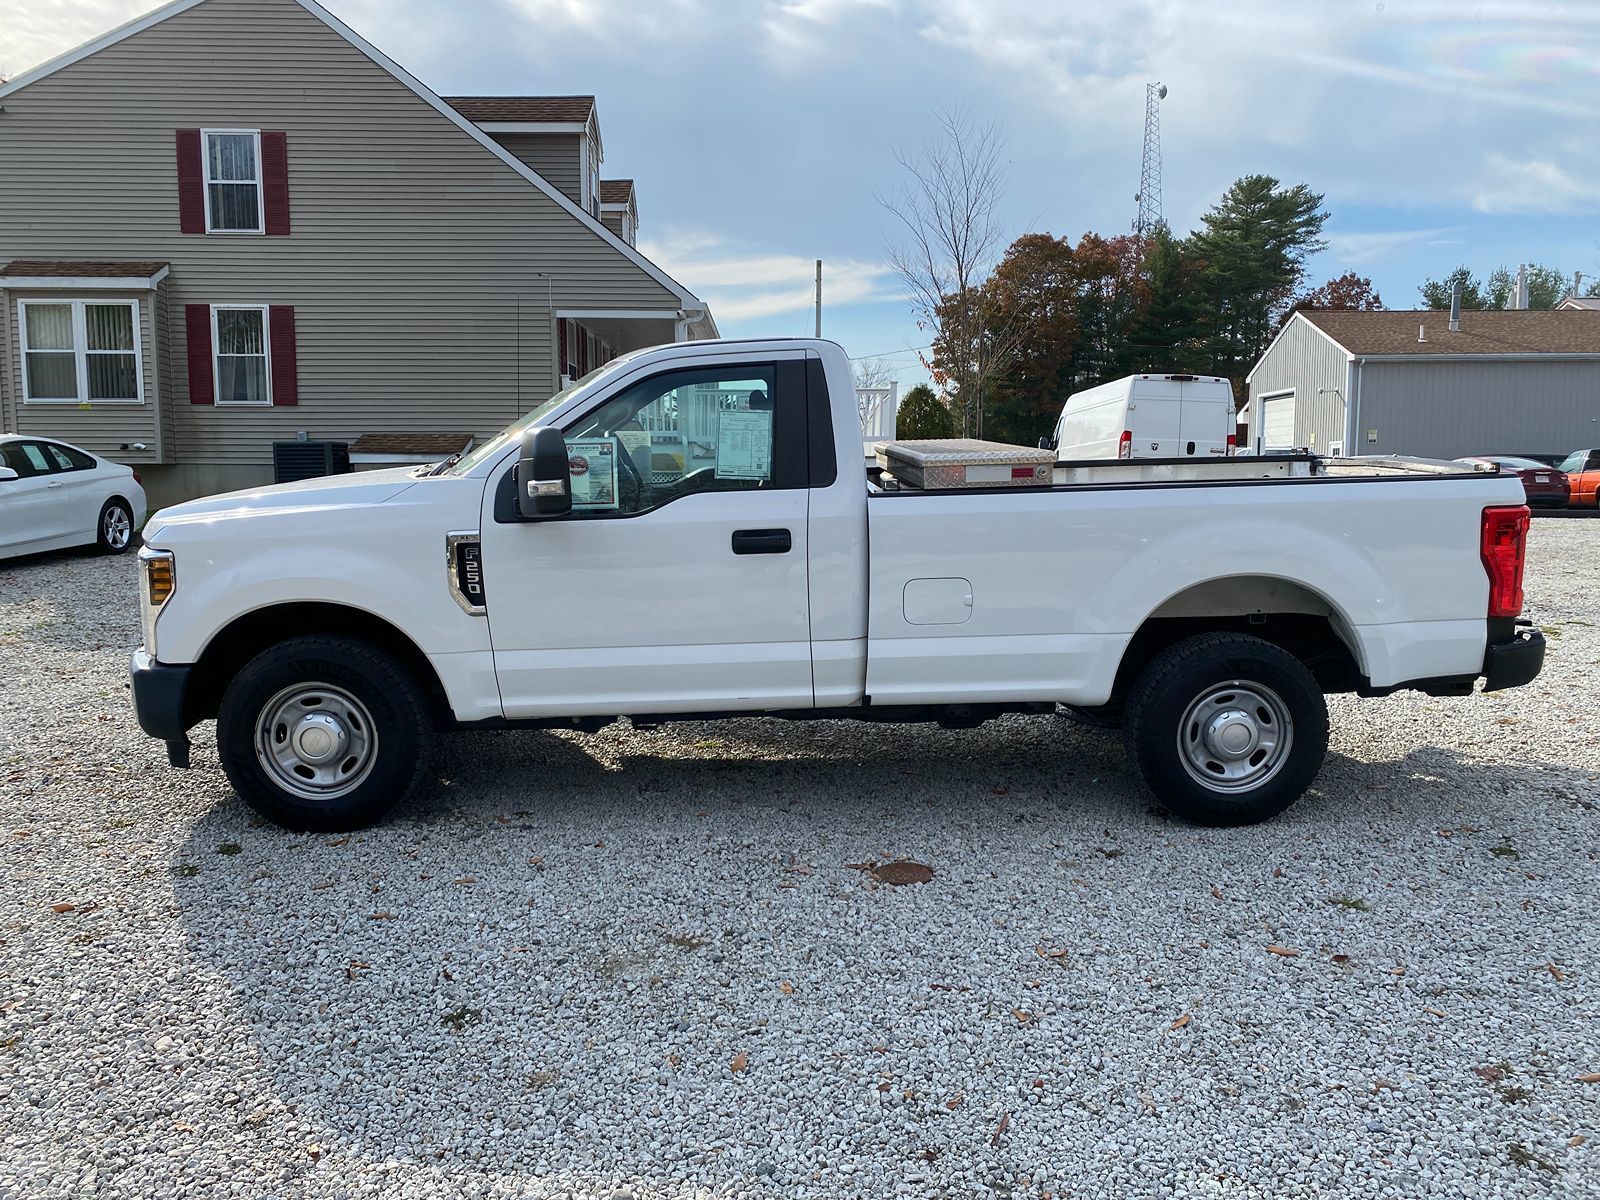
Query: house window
[
  {"x": 233, "y": 180},
  {"x": 81, "y": 351},
  {"x": 241, "y": 354}
]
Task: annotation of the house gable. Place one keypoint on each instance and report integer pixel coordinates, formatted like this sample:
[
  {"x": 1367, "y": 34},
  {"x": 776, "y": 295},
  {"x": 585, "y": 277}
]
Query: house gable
[{"x": 149, "y": 21}]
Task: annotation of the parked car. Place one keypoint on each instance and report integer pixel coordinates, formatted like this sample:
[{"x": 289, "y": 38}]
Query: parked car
[
  {"x": 1546, "y": 486},
  {"x": 334, "y": 625},
  {"x": 53, "y": 496},
  {"x": 1147, "y": 416},
  {"x": 1583, "y": 475}
]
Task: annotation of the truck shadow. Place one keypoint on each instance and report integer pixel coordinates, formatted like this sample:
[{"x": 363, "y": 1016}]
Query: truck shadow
[{"x": 575, "y": 935}]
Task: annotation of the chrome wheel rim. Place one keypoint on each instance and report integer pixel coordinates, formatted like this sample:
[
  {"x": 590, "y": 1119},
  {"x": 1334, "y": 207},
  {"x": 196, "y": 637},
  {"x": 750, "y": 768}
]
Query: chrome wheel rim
[
  {"x": 1235, "y": 736},
  {"x": 116, "y": 527},
  {"x": 316, "y": 741}
]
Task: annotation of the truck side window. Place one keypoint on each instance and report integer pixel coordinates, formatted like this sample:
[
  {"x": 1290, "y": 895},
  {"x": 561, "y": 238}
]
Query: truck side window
[{"x": 712, "y": 429}]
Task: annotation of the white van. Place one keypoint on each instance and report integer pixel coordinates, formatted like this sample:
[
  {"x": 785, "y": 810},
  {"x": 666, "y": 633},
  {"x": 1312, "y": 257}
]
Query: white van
[{"x": 1149, "y": 416}]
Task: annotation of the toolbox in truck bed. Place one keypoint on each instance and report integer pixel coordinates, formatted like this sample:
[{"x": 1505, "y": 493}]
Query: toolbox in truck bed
[{"x": 965, "y": 463}]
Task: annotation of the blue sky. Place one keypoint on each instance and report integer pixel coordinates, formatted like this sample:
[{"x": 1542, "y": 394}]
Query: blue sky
[{"x": 1440, "y": 131}]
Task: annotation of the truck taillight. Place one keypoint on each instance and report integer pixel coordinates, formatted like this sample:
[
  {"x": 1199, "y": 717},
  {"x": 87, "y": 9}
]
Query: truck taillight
[
  {"x": 1125, "y": 444},
  {"x": 1505, "y": 540},
  {"x": 1233, "y": 443}
]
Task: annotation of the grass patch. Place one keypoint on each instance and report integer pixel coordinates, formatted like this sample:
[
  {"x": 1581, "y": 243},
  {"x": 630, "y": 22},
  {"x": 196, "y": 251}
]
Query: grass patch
[
  {"x": 1352, "y": 903},
  {"x": 230, "y": 849},
  {"x": 1523, "y": 1157},
  {"x": 1505, "y": 850},
  {"x": 188, "y": 870},
  {"x": 462, "y": 1017}
]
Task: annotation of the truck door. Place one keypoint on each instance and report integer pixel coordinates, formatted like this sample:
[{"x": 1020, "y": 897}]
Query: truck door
[{"x": 678, "y": 583}]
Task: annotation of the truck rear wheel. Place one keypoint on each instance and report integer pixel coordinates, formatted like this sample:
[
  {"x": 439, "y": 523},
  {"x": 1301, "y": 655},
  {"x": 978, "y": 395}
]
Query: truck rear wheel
[
  {"x": 1226, "y": 729},
  {"x": 324, "y": 733}
]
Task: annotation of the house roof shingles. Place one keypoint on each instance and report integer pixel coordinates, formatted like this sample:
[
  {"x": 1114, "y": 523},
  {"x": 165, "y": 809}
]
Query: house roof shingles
[
  {"x": 616, "y": 191},
  {"x": 56, "y": 268},
  {"x": 1495, "y": 331},
  {"x": 410, "y": 443},
  {"x": 522, "y": 108}
]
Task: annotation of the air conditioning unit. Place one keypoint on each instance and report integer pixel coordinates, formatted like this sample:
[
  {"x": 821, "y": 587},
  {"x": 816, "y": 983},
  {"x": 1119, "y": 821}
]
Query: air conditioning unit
[{"x": 308, "y": 460}]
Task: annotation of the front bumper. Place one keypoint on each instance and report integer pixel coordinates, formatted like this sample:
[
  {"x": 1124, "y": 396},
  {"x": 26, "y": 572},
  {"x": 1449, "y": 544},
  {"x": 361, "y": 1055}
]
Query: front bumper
[
  {"x": 159, "y": 691},
  {"x": 1514, "y": 662}
]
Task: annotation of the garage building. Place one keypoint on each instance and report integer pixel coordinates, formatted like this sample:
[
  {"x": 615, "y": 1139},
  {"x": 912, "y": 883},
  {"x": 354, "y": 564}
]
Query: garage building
[{"x": 1505, "y": 382}]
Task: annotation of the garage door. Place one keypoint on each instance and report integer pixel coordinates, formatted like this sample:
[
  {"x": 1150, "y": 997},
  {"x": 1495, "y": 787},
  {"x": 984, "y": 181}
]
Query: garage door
[{"x": 1277, "y": 422}]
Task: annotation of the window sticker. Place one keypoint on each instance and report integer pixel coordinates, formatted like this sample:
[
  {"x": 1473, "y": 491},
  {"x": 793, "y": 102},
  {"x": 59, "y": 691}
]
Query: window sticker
[
  {"x": 744, "y": 445},
  {"x": 593, "y": 466}
]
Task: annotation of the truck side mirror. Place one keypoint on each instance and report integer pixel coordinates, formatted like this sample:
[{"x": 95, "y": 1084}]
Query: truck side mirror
[
  {"x": 7, "y": 475},
  {"x": 1047, "y": 443},
  {"x": 544, "y": 480}
]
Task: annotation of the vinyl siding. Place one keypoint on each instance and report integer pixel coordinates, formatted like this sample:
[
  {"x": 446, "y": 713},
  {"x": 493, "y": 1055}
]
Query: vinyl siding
[
  {"x": 554, "y": 155},
  {"x": 101, "y": 428},
  {"x": 1305, "y": 360},
  {"x": 1449, "y": 409},
  {"x": 413, "y": 257}
]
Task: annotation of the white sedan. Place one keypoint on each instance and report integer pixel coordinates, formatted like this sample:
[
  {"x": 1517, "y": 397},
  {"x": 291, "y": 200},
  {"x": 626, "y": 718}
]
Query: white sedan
[{"x": 53, "y": 495}]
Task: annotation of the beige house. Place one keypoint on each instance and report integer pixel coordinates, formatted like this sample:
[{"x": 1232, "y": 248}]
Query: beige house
[{"x": 234, "y": 223}]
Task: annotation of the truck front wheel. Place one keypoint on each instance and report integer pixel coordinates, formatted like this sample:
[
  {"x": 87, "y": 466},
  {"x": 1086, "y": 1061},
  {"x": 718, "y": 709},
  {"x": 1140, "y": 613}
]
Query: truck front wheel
[
  {"x": 324, "y": 733},
  {"x": 1226, "y": 729}
]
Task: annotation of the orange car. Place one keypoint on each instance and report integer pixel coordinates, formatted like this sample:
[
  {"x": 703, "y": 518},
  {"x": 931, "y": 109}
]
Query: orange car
[{"x": 1583, "y": 472}]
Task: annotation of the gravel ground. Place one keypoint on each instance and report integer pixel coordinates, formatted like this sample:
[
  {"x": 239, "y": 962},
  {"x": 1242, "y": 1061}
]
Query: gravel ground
[{"x": 652, "y": 964}]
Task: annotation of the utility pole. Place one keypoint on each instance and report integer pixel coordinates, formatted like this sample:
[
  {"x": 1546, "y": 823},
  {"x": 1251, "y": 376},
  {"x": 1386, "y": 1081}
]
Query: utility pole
[
  {"x": 1149, "y": 195},
  {"x": 819, "y": 297}
]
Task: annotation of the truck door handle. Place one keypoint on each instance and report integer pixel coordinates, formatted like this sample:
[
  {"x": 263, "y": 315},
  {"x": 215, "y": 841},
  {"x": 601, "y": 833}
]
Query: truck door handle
[
  {"x": 762, "y": 541},
  {"x": 54, "y": 483}
]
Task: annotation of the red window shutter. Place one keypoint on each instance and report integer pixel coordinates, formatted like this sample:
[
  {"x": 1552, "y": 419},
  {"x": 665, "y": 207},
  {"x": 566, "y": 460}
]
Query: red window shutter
[
  {"x": 197, "y": 323},
  {"x": 285, "y": 368},
  {"x": 275, "y": 181},
  {"x": 561, "y": 337},
  {"x": 191, "y": 184}
]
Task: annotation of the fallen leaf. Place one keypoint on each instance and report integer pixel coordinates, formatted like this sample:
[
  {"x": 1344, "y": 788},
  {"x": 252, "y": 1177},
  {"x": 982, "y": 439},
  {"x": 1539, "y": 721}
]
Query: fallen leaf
[
  {"x": 1433, "y": 1012},
  {"x": 339, "y": 841},
  {"x": 898, "y": 874},
  {"x": 1283, "y": 951},
  {"x": 1490, "y": 1074},
  {"x": 1216, "y": 893},
  {"x": 381, "y": 916},
  {"x": 315, "y": 1151},
  {"x": 1398, "y": 971},
  {"x": 1341, "y": 959},
  {"x": 62, "y": 907},
  {"x": 1180, "y": 1022},
  {"x": 1590, "y": 1078},
  {"x": 786, "y": 988},
  {"x": 1022, "y": 1015},
  {"x": 504, "y": 820},
  {"x": 1005, "y": 1124},
  {"x": 183, "y": 1127},
  {"x": 1555, "y": 971},
  {"x": 740, "y": 1061},
  {"x": 22, "y": 833},
  {"x": 465, "y": 879},
  {"x": 674, "y": 1060},
  {"x": 321, "y": 887},
  {"x": 1277, "y": 872},
  {"x": 955, "y": 1101},
  {"x": 1575, "y": 1142},
  {"x": 1380, "y": 1083},
  {"x": 884, "y": 1087},
  {"x": 536, "y": 860}
]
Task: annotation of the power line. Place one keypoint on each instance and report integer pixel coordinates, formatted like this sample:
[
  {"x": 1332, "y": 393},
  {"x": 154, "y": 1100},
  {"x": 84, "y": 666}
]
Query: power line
[{"x": 891, "y": 353}]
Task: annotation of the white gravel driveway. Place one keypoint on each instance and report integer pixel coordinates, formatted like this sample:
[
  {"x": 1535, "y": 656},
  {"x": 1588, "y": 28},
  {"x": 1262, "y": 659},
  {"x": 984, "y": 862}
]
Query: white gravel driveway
[{"x": 650, "y": 964}]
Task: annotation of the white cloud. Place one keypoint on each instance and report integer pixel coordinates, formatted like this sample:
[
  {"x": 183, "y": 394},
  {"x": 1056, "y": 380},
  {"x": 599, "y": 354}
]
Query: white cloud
[
  {"x": 1530, "y": 185},
  {"x": 746, "y": 286},
  {"x": 1353, "y": 249}
]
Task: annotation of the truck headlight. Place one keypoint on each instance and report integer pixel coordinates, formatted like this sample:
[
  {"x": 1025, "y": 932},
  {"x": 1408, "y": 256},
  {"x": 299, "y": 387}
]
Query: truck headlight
[{"x": 158, "y": 579}]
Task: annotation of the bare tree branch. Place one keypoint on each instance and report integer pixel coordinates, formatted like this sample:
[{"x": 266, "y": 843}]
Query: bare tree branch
[{"x": 947, "y": 241}]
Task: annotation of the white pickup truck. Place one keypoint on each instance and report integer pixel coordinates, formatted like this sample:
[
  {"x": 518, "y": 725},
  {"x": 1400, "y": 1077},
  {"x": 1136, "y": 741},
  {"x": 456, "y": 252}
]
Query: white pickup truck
[{"x": 686, "y": 533}]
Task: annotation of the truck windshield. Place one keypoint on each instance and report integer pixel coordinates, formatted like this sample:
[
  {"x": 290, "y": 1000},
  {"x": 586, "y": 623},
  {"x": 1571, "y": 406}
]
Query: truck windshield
[{"x": 516, "y": 429}]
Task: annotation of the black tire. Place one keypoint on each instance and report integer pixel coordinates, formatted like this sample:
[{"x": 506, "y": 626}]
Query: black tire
[
  {"x": 348, "y": 689},
  {"x": 1195, "y": 709},
  {"x": 113, "y": 531}
]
